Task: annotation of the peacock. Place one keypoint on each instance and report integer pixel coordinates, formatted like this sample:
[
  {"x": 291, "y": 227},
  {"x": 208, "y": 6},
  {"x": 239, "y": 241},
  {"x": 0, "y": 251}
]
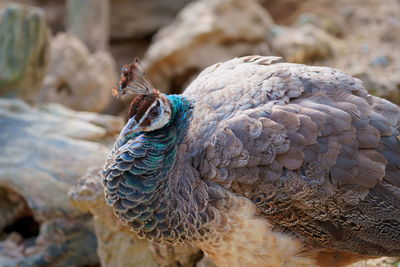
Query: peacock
[{"x": 260, "y": 163}]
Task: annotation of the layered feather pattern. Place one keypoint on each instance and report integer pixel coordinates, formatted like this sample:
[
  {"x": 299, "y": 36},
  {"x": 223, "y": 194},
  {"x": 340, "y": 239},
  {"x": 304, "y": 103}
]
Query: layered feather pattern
[
  {"x": 315, "y": 152},
  {"x": 135, "y": 176},
  {"x": 306, "y": 148}
]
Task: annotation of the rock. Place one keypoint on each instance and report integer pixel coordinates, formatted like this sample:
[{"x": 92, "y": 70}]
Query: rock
[
  {"x": 381, "y": 262},
  {"x": 302, "y": 44},
  {"x": 124, "y": 52},
  {"x": 62, "y": 242},
  {"x": 382, "y": 86},
  {"x": 51, "y": 149},
  {"x": 129, "y": 20},
  {"x": 117, "y": 246},
  {"x": 380, "y": 61},
  {"x": 54, "y": 10},
  {"x": 13, "y": 207},
  {"x": 111, "y": 124},
  {"x": 283, "y": 11},
  {"x": 130, "y": 27},
  {"x": 23, "y": 51},
  {"x": 203, "y": 33},
  {"x": 120, "y": 248},
  {"x": 324, "y": 23},
  {"x": 140, "y": 19},
  {"x": 167, "y": 255},
  {"x": 43, "y": 152},
  {"x": 10, "y": 250},
  {"x": 76, "y": 78},
  {"x": 205, "y": 262},
  {"x": 89, "y": 20}
]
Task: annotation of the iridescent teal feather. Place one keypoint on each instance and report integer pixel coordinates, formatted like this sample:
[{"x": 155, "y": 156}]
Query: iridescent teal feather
[{"x": 136, "y": 182}]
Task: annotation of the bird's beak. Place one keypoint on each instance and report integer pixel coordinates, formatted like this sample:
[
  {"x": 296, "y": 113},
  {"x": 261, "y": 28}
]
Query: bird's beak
[{"x": 130, "y": 127}]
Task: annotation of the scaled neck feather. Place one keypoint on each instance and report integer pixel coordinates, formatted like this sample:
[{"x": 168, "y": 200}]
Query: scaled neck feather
[{"x": 142, "y": 162}]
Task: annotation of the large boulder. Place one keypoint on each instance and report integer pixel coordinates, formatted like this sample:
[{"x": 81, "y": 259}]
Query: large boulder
[
  {"x": 23, "y": 51},
  {"x": 129, "y": 19},
  {"x": 206, "y": 32},
  {"x": 76, "y": 78},
  {"x": 139, "y": 19},
  {"x": 303, "y": 44},
  {"x": 43, "y": 152}
]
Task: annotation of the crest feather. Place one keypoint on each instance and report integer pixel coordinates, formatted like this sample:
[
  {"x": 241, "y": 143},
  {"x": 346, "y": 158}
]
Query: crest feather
[{"x": 133, "y": 80}]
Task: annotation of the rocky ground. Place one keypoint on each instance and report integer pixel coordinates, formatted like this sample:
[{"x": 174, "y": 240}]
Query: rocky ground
[
  {"x": 65, "y": 52},
  {"x": 368, "y": 35}
]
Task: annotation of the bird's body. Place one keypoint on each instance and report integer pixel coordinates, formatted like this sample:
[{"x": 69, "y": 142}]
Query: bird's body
[{"x": 265, "y": 164}]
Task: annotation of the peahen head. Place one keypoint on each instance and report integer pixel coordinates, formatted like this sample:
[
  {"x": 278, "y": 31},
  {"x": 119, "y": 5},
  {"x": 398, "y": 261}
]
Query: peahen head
[
  {"x": 147, "y": 113},
  {"x": 149, "y": 110}
]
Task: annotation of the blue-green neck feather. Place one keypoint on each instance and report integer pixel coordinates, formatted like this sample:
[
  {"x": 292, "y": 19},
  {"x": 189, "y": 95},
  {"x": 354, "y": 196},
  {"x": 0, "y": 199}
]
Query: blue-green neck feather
[{"x": 141, "y": 169}]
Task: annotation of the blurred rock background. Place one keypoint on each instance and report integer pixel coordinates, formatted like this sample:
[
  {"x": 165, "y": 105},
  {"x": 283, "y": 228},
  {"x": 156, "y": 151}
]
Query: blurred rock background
[{"x": 59, "y": 61}]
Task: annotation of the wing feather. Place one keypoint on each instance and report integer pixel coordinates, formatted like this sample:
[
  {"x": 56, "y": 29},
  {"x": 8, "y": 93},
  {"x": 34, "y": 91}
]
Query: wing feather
[{"x": 308, "y": 145}]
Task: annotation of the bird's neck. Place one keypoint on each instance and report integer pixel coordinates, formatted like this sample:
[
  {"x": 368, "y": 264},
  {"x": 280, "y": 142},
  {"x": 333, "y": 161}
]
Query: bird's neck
[{"x": 147, "y": 180}]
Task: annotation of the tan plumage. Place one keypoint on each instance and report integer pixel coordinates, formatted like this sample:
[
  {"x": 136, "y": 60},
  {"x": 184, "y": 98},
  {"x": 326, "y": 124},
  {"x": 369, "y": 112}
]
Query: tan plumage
[{"x": 285, "y": 165}]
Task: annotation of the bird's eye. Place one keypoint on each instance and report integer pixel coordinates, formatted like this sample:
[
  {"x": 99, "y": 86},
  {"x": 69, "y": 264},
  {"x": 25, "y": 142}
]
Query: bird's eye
[{"x": 153, "y": 113}]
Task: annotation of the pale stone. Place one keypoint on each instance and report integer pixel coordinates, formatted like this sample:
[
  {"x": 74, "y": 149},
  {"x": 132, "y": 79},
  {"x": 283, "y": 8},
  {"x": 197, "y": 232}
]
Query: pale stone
[
  {"x": 139, "y": 19},
  {"x": 43, "y": 152},
  {"x": 129, "y": 19},
  {"x": 206, "y": 32},
  {"x": 76, "y": 78},
  {"x": 47, "y": 150},
  {"x": 303, "y": 44}
]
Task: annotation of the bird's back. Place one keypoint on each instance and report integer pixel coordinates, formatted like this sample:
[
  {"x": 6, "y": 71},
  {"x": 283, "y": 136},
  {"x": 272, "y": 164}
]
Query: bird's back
[{"x": 317, "y": 155}]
